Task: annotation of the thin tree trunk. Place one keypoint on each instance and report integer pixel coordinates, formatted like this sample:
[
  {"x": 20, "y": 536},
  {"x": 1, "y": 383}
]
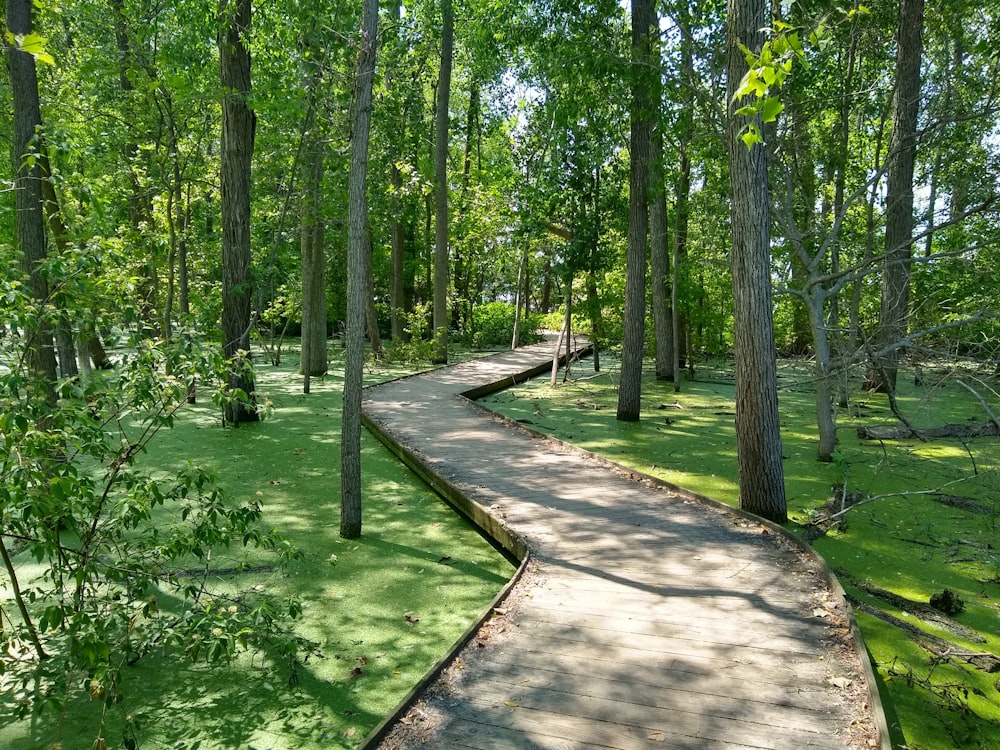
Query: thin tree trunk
[
  {"x": 397, "y": 237},
  {"x": 371, "y": 314},
  {"x": 357, "y": 248},
  {"x": 517, "y": 299},
  {"x": 441, "y": 133},
  {"x": 660, "y": 266},
  {"x": 758, "y": 438}
]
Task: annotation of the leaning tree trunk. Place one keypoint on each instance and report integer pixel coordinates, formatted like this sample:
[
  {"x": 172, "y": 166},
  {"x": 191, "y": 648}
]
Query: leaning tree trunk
[
  {"x": 642, "y": 115},
  {"x": 29, "y": 217},
  {"x": 238, "y": 124},
  {"x": 894, "y": 309},
  {"x": 441, "y": 186},
  {"x": 357, "y": 247},
  {"x": 758, "y": 439}
]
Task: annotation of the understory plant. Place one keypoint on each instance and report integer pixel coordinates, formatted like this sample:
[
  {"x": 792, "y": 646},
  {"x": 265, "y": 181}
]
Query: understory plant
[{"x": 104, "y": 562}]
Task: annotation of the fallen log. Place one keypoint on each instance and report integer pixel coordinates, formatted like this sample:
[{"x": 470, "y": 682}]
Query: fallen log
[{"x": 898, "y": 432}]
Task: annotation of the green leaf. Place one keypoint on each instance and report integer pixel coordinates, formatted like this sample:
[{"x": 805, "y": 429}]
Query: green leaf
[
  {"x": 751, "y": 137},
  {"x": 771, "y": 108}
]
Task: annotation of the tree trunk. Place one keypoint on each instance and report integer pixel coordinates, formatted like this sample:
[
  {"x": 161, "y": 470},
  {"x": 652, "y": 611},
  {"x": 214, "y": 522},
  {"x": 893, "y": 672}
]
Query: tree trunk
[
  {"x": 371, "y": 314},
  {"x": 642, "y": 117},
  {"x": 758, "y": 439},
  {"x": 682, "y": 195},
  {"x": 238, "y": 124},
  {"x": 397, "y": 237},
  {"x": 521, "y": 268},
  {"x": 894, "y": 309},
  {"x": 314, "y": 360},
  {"x": 357, "y": 248},
  {"x": 660, "y": 266},
  {"x": 441, "y": 120},
  {"x": 29, "y": 217}
]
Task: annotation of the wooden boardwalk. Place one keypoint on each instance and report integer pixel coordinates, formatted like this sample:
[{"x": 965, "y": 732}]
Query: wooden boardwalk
[{"x": 645, "y": 620}]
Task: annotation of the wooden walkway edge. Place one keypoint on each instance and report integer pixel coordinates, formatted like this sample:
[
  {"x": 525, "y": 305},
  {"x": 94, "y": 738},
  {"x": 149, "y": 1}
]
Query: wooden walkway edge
[{"x": 642, "y": 615}]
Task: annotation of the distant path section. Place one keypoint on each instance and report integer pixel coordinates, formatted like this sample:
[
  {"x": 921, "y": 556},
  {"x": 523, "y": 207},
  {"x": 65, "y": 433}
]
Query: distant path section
[{"x": 643, "y": 618}]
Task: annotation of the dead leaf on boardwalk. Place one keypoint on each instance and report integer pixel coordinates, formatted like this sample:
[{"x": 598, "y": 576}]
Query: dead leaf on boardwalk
[
  {"x": 411, "y": 620},
  {"x": 657, "y": 736},
  {"x": 841, "y": 682},
  {"x": 512, "y": 704},
  {"x": 820, "y": 613}
]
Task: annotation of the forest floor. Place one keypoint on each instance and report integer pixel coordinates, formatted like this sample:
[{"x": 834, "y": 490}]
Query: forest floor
[
  {"x": 381, "y": 609},
  {"x": 925, "y": 515}
]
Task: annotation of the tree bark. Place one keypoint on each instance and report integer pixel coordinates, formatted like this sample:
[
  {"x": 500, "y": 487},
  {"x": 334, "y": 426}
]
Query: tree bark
[
  {"x": 29, "y": 216},
  {"x": 441, "y": 121},
  {"x": 238, "y": 123},
  {"x": 894, "y": 308},
  {"x": 397, "y": 237},
  {"x": 758, "y": 439},
  {"x": 314, "y": 360},
  {"x": 371, "y": 313},
  {"x": 660, "y": 266},
  {"x": 357, "y": 247},
  {"x": 642, "y": 116}
]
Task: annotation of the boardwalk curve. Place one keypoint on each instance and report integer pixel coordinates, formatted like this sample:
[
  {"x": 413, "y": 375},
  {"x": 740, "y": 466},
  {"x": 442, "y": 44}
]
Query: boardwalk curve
[{"x": 644, "y": 620}]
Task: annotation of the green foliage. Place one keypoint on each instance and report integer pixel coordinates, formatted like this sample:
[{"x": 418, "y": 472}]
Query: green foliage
[
  {"x": 110, "y": 562},
  {"x": 493, "y": 326},
  {"x": 417, "y": 347}
]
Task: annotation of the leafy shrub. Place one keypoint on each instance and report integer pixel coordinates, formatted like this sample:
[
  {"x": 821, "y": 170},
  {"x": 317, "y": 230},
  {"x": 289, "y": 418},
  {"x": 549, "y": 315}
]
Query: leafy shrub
[
  {"x": 103, "y": 562},
  {"x": 493, "y": 326}
]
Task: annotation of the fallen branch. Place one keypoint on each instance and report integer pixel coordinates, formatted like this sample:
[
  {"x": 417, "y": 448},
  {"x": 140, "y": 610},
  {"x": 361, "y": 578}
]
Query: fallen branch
[
  {"x": 982, "y": 401},
  {"x": 977, "y": 429},
  {"x": 873, "y": 498},
  {"x": 981, "y": 660}
]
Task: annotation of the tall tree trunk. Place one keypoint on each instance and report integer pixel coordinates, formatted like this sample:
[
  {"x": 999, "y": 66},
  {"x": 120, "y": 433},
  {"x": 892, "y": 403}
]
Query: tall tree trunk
[
  {"x": 183, "y": 287},
  {"x": 357, "y": 247},
  {"x": 314, "y": 360},
  {"x": 397, "y": 238},
  {"x": 65, "y": 345},
  {"x": 29, "y": 215},
  {"x": 642, "y": 117},
  {"x": 758, "y": 439},
  {"x": 441, "y": 186},
  {"x": 371, "y": 314},
  {"x": 894, "y": 308},
  {"x": 682, "y": 194},
  {"x": 660, "y": 265},
  {"x": 238, "y": 123}
]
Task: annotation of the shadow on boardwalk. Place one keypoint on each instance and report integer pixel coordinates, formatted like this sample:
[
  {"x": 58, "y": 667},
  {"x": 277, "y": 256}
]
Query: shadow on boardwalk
[{"x": 640, "y": 618}]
